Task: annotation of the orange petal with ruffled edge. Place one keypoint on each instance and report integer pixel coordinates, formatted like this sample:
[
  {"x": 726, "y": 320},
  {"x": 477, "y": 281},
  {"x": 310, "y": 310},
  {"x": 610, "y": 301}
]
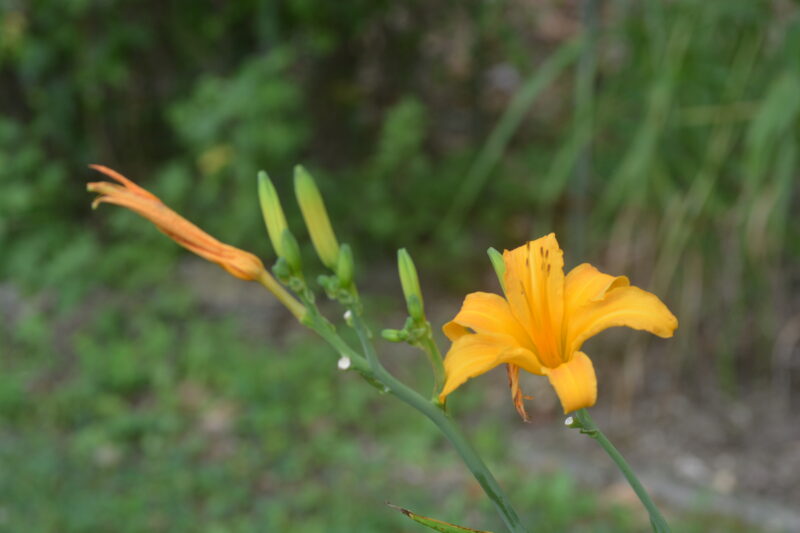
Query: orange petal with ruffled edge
[
  {"x": 585, "y": 284},
  {"x": 575, "y": 383},
  {"x": 484, "y": 312},
  {"x": 624, "y": 306},
  {"x": 476, "y": 354}
]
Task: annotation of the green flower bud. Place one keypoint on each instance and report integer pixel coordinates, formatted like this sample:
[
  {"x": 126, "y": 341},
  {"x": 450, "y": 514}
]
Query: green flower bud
[
  {"x": 344, "y": 265},
  {"x": 272, "y": 212},
  {"x": 499, "y": 266},
  {"x": 316, "y": 217},
  {"x": 410, "y": 283},
  {"x": 291, "y": 251},
  {"x": 281, "y": 270},
  {"x": 394, "y": 335}
]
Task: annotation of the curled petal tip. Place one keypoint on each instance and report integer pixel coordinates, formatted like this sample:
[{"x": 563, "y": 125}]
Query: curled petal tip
[
  {"x": 103, "y": 169},
  {"x": 96, "y": 203}
]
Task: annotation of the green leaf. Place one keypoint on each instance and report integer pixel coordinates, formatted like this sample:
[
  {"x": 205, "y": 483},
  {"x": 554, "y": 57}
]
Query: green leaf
[{"x": 432, "y": 523}]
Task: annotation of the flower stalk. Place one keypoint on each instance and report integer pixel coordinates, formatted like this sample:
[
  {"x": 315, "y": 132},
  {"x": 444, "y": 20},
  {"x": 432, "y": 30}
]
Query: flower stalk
[
  {"x": 271, "y": 284},
  {"x": 446, "y": 425},
  {"x": 417, "y": 331},
  {"x": 581, "y": 420},
  {"x": 370, "y": 368}
]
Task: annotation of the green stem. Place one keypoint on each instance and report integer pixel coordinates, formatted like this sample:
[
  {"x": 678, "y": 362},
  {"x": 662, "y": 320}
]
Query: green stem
[
  {"x": 446, "y": 425},
  {"x": 428, "y": 346},
  {"x": 588, "y": 427}
]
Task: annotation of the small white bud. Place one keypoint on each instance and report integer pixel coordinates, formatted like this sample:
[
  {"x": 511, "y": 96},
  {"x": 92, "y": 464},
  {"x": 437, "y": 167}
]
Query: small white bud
[
  {"x": 344, "y": 362},
  {"x": 348, "y": 315},
  {"x": 569, "y": 421}
]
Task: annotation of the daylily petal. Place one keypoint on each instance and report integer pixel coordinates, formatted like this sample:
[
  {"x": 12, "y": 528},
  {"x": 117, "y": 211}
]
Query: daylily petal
[
  {"x": 534, "y": 281},
  {"x": 575, "y": 382},
  {"x": 518, "y": 284},
  {"x": 623, "y": 306},
  {"x": 475, "y": 354},
  {"x": 484, "y": 312},
  {"x": 453, "y": 330},
  {"x": 585, "y": 284},
  {"x": 546, "y": 266}
]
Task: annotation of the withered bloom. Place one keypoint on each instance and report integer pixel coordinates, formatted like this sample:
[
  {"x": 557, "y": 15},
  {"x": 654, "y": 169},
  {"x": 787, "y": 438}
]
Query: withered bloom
[{"x": 239, "y": 263}]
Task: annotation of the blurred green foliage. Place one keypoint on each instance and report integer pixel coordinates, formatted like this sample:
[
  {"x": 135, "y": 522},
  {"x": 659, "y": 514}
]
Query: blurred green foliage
[{"x": 691, "y": 188}]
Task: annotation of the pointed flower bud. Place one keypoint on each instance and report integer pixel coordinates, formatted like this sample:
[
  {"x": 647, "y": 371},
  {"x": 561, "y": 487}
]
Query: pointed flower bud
[
  {"x": 499, "y": 266},
  {"x": 271, "y": 209},
  {"x": 344, "y": 266},
  {"x": 290, "y": 251},
  {"x": 410, "y": 283},
  {"x": 316, "y": 217}
]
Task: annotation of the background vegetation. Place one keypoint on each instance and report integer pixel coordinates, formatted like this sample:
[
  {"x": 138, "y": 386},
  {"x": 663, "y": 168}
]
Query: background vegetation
[{"x": 662, "y": 145}]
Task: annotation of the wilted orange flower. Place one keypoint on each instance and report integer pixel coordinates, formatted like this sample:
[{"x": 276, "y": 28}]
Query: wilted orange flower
[
  {"x": 542, "y": 322},
  {"x": 239, "y": 263}
]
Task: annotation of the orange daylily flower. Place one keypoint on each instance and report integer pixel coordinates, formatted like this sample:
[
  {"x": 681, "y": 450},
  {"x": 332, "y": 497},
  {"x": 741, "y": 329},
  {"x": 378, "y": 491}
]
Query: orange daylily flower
[
  {"x": 542, "y": 322},
  {"x": 236, "y": 262}
]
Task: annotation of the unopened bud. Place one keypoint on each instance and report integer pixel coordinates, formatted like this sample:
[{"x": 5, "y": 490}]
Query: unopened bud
[
  {"x": 499, "y": 266},
  {"x": 271, "y": 210},
  {"x": 344, "y": 265},
  {"x": 281, "y": 269},
  {"x": 344, "y": 363},
  {"x": 316, "y": 217},
  {"x": 330, "y": 284},
  {"x": 410, "y": 283},
  {"x": 348, "y": 317},
  {"x": 394, "y": 335},
  {"x": 291, "y": 251}
]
